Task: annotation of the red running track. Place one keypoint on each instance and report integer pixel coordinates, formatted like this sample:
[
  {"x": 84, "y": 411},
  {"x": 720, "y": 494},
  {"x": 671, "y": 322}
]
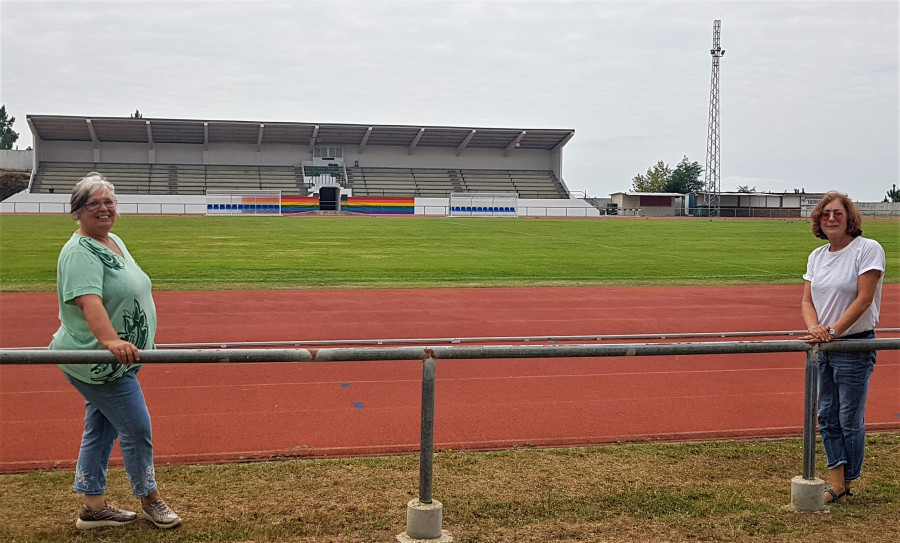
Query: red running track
[{"x": 228, "y": 412}]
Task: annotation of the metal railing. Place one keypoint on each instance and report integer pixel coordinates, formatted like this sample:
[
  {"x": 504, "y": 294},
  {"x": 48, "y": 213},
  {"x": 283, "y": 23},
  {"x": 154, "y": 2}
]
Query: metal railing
[{"x": 429, "y": 356}]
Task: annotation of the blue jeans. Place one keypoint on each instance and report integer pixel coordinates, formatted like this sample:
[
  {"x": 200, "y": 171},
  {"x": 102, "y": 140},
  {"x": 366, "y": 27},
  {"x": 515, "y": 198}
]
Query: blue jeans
[
  {"x": 114, "y": 409},
  {"x": 843, "y": 386}
]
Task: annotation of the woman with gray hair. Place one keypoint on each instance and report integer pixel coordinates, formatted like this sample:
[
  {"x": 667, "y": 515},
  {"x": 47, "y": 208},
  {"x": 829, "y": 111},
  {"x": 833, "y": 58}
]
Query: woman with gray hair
[{"x": 105, "y": 302}]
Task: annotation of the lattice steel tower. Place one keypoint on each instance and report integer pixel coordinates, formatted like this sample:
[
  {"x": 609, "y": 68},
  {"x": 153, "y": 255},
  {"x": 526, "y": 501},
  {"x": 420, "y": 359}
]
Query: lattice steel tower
[{"x": 713, "y": 181}]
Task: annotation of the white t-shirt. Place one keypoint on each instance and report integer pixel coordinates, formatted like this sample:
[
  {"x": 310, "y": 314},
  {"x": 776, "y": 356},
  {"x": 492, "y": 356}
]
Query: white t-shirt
[{"x": 833, "y": 279}]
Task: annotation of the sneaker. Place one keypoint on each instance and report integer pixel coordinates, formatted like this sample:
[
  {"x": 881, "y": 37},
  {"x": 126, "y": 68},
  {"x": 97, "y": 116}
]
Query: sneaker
[
  {"x": 108, "y": 516},
  {"x": 161, "y": 515}
]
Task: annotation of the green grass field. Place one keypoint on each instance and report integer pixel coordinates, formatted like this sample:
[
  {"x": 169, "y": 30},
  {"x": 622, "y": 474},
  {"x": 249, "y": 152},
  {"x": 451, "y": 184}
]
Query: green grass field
[
  {"x": 226, "y": 253},
  {"x": 711, "y": 491}
]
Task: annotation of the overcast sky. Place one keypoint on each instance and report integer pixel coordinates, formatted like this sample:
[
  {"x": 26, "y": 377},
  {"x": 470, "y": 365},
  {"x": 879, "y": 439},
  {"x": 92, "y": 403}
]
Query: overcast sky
[{"x": 808, "y": 90}]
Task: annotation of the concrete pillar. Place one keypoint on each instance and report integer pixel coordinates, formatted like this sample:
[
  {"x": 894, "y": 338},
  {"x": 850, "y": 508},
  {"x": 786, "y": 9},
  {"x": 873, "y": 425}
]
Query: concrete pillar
[
  {"x": 423, "y": 523},
  {"x": 807, "y": 494}
]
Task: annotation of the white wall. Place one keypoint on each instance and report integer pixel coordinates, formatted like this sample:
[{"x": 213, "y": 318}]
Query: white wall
[
  {"x": 444, "y": 158},
  {"x": 67, "y": 151},
  {"x": 294, "y": 155},
  {"x": 24, "y": 202},
  {"x": 177, "y": 154},
  {"x": 526, "y": 207},
  {"x": 16, "y": 160},
  {"x": 129, "y": 204}
]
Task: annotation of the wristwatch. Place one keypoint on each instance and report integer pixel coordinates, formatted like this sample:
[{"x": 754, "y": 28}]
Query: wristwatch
[{"x": 832, "y": 333}]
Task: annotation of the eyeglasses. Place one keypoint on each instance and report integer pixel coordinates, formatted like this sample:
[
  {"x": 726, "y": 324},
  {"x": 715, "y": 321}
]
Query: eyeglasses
[
  {"x": 837, "y": 214},
  {"x": 95, "y": 204}
]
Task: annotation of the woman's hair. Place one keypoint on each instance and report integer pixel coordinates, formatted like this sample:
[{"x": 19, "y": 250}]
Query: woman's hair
[
  {"x": 83, "y": 189},
  {"x": 854, "y": 217}
]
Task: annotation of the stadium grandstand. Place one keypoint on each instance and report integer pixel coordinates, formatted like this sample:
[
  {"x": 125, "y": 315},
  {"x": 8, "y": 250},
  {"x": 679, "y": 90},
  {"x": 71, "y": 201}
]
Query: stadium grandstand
[{"x": 161, "y": 164}]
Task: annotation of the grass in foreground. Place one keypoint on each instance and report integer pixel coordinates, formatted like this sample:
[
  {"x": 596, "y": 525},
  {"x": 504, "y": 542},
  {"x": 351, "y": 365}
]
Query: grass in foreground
[
  {"x": 228, "y": 253},
  {"x": 704, "y": 491}
]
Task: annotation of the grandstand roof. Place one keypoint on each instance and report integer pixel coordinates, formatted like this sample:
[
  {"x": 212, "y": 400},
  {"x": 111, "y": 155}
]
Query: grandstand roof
[{"x": 194, "y": 131}]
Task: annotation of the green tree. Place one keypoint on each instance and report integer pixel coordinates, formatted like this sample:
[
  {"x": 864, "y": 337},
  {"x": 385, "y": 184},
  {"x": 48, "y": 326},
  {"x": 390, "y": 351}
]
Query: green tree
[
  {"x": 655, "y": 180},
  {"x": 685, "y": 178},
  {"x": 748, "y": 188},
  {"x": 137, "y": 114},
  {"x": 893, "y": 195},
  {"x": 8, "y": 136}
]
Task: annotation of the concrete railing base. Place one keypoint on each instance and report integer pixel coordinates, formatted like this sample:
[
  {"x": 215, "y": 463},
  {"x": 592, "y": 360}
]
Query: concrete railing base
[
  {"x": 423, "y": 523},
  {"x": 807, "y": 494}
]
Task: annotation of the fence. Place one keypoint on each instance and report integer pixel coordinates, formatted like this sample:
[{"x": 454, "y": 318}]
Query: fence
[
  {"x": 869, "y": 211},
  {"x": 424, "y": 515},
  {"x": 526, "y": 210},
  {"x": 61, "y": 207},
  {"x": 196, "y": 205}
]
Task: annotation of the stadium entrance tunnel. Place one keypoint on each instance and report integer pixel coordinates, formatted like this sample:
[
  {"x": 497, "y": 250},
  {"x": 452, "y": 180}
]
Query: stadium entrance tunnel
[{"x": 329, "y": 198}]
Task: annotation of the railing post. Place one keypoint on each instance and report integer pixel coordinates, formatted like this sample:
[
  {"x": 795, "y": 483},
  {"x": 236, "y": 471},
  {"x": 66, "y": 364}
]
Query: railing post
[
  {"x": 807, "y": 491},
  {"x": 426, "y": 450},
  {"x": 811, "y": 395},
  {"x": 425, "y": 515}
]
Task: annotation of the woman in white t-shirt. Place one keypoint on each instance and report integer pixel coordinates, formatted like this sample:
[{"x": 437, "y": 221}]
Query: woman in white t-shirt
[{"x": 841, "y": 299}]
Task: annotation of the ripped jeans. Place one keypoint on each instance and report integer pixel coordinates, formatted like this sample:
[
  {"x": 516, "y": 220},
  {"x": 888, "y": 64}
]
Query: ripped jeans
[{"x": 114, "y": 409}]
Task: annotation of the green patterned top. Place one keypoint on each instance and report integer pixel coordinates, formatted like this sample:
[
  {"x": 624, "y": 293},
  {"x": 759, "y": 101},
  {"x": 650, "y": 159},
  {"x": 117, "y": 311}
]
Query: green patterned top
[{"x": 85, "y": 266}]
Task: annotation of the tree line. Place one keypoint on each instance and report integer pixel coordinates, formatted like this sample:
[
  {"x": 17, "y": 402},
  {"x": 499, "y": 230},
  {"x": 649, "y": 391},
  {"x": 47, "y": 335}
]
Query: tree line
[{"x": 683, "y": 179}]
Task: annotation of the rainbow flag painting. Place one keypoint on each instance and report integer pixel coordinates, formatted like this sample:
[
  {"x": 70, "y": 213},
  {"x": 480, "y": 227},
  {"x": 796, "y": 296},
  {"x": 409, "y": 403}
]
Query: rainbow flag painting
[
  {"x": 376, "y": 205},
  {"x": 380, "y": 205},
  {"x": 298, "y": 204}
]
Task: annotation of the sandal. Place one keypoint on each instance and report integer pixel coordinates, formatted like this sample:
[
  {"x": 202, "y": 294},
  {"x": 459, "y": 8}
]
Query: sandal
[{"x": 835, "y": 497}]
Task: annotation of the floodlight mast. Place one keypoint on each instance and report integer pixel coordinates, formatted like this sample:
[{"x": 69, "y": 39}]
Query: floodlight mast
[{"x": 713, "y": 186}]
